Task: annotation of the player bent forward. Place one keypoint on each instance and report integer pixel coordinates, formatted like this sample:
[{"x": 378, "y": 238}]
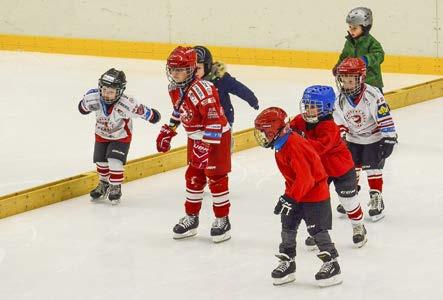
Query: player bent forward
[
  {"x": 306, "y": 197},
  {"x": 113, "y": 130}
]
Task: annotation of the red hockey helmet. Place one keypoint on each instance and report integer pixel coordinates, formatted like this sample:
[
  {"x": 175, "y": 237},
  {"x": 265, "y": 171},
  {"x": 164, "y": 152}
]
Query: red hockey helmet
[
  {"x": 180, "y": 66},
  {"x": 268, "y": 126},
  {"x": 350, "y": 76}
]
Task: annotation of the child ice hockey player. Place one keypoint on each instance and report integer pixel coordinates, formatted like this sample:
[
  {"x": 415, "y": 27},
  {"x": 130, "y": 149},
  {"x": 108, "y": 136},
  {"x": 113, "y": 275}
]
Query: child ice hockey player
[
  {"x": 317, "y": 125},
  {"x": 364, "y": 116},
  {"x": 224, "y": 82},
  {"x": 306, "y": 197},
  {"x": 359, "y": 43},
  {"x": 113, "y": 130},
  {"x": 196, "y": 105}
]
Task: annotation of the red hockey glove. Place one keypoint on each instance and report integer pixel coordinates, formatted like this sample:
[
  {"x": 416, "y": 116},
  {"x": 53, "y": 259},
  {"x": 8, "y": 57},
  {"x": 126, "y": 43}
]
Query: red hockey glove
[
  {"x": 200, "y": 154},
  {"x": 164, "y": 138}
]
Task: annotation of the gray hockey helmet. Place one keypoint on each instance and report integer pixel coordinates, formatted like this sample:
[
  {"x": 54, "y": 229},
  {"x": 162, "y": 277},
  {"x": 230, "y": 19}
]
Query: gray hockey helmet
[{"x": 360, "y": 16}]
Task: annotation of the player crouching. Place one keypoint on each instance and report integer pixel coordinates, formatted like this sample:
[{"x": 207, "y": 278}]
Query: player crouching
[
  {"x": 306, "y": 197},
  {"x": 113, "y": 130}
]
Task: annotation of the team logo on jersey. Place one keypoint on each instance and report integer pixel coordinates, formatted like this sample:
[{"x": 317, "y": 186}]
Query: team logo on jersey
[
  {"x": 208, "y": 101},
  {"x": 383, "y": 110},
  {"x": 212, "y": 113},
  {"x": 355, "y": 117},
  {"x": 186, "y": 113}
]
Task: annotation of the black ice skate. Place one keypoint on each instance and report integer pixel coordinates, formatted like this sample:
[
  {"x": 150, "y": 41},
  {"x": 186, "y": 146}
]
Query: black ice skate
[
  {"x": 221, "y": 230},
  {"x": 376, "y": 205},
  {"x": 285, "y": 271},
  {"x": 329, "y": 273},
  {"x": 115, "y": 193},
  {"x": 341, "y": 209},
  {"x": 100, "y": 191},
  {"x": 310, "y": 243},
  {"x": 186, "y": 227},
  {"x": 359, "y": 235}
]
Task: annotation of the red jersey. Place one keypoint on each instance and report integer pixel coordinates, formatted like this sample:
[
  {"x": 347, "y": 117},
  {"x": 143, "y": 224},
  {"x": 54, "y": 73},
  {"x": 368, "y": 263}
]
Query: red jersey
[
  {"x": 326, "y": 140},
  {"x": 300, "y": 165},
  {"x": 198, "y": 108}
]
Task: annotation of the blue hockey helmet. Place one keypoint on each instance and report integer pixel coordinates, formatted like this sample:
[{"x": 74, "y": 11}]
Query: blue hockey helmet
[{"x": 317, "y": 102}]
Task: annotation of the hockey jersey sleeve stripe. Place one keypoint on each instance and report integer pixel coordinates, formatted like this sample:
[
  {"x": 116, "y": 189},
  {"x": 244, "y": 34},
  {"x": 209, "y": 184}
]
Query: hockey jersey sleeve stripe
[{"x": 212, "y": 137}]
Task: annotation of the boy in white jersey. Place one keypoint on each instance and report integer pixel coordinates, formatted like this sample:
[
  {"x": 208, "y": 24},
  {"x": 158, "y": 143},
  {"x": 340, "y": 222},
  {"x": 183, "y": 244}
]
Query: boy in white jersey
[
  {"x": 364, "y": 116},
  {"x": 113, "y": 130}
]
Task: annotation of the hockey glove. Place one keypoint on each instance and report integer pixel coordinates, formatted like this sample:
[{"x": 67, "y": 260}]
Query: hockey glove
[
  {"x": 164, "y": 138},
  {"x": 155, "y": 116},
  {"x": 285, "y": 206},
  {"x": 200, "y": 154},
  {"x": 85, "y": 106},
  {"x": 386, "y": 146}
]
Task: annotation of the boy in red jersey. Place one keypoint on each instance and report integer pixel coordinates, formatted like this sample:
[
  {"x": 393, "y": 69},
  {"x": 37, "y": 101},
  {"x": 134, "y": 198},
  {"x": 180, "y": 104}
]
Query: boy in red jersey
[
  {"x": 317, "y": 125},
  {"x": 196, "y": 105},
  {"x": 306, "y": 197}
]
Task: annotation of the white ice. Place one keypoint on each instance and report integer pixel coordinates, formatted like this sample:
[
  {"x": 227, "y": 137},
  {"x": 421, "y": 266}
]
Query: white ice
[{"x": 80, "y": 250}]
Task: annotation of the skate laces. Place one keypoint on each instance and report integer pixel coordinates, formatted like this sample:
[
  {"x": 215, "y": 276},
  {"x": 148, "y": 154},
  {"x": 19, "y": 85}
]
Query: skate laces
[
  {"x": 187, "y": 221},
  {"x": 283, "y": 265},
  {"x": 101, "y": 187},
  {"x": 327, "y": 267},
  {"x": 376, "y": 201},
  {"x": 219, "y": 222},
  {"x": 114, "y": 189},
  {"x": 359, "y": 229}
]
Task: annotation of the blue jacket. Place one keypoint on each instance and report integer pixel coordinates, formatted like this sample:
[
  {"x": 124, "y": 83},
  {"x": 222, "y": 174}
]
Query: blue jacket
[
  {"x": 229, "y": 85},
  {"x": 226, "y": 84}
]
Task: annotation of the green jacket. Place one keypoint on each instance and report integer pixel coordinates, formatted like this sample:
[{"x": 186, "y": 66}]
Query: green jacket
[{"x": 369, "y": 47}]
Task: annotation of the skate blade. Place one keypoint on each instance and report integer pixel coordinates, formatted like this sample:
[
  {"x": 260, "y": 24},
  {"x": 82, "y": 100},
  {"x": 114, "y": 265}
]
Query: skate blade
[
  {"x": 189, "y": 233},
  {"x": 342, "y": 215},
  {"x": 115, "y": 202},
  {"x": 377, "y": 218},
  {"x": 280, "y": 281},
  {"x": 221, "y": 238},
  {"x": 330, "y": 281},
  {"x": 361, "y": 244},
  {"x": 97, "y": 199}
]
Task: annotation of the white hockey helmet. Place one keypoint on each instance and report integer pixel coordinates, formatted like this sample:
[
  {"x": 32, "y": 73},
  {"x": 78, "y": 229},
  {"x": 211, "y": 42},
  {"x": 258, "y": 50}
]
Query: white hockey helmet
[{"x": 360, "y": 16}]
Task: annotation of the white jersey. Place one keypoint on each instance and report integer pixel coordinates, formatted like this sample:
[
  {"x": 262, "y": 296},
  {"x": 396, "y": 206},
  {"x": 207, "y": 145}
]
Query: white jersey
[
  {"x": 366, "y": 122},
  {"x": 114, "y": 122}
]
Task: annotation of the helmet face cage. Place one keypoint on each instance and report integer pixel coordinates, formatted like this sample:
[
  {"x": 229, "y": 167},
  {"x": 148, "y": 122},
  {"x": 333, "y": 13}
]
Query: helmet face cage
[
  {"x": 360, "y": 16},
  {"x": 311, "y": 110},
  {"x": 181, "y": 61},
  {"x": 262, "y": 138},
  {"x": 268, "y": 126},
  {"x": 189, "y": 75},
  {"x": 113, "y": 79},
  {"x": 349, "y": 84}
]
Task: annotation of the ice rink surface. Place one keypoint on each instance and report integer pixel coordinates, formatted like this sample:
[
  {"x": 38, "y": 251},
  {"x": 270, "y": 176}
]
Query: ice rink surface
[
  {"x": 45, "y": 138},
  {"x": 82, "y": 250}
]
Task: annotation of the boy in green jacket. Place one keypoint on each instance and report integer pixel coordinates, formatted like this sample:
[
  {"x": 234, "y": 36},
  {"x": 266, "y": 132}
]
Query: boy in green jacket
[{"x": 359, "y": 43}]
